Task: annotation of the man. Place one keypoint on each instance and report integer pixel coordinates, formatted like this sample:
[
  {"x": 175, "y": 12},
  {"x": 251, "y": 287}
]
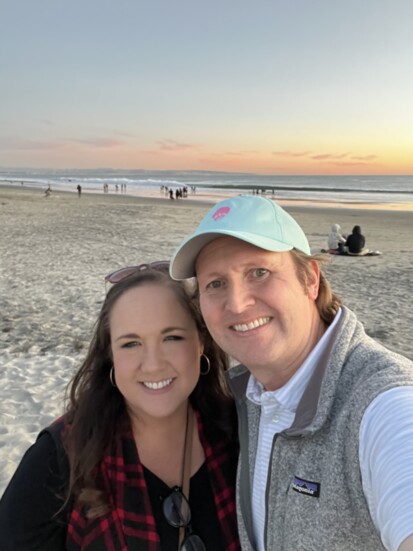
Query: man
[{"x": 325, "y": 412}]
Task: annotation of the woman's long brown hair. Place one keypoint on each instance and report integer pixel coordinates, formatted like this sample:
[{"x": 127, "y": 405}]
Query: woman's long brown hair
[{"x": 96, "y": 412}]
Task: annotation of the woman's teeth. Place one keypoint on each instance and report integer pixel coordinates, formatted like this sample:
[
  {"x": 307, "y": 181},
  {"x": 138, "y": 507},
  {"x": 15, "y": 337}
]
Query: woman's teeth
[{"x": 158, "y": 385}]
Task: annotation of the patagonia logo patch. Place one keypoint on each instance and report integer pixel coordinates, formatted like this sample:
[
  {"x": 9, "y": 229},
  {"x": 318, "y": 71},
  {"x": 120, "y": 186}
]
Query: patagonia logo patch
[
  {"x": 306, "y": 487},
  {"x": 220, "y": 213}
]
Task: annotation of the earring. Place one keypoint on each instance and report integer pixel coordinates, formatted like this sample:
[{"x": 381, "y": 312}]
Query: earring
[
  {"x": 208, "y": 369},
  {"x": 112, "y": 377}
]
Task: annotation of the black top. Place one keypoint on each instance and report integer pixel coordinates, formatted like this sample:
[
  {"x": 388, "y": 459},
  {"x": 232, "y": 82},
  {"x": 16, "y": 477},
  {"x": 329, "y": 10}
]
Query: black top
[
  {"x": 27, "y": 507},
  {"x": 204, "y": 517},
  {"x": 28, "y": 520},
  {"x": 356, "y": 241}
]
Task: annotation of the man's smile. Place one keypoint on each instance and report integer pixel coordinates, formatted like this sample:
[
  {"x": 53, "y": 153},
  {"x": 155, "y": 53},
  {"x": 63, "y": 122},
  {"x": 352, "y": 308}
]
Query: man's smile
[{"x": 243, "y": 327}]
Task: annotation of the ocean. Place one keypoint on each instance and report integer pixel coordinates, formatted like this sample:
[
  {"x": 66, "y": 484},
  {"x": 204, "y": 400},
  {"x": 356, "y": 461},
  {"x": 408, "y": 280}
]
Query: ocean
[{"x": 330, "y": 189}]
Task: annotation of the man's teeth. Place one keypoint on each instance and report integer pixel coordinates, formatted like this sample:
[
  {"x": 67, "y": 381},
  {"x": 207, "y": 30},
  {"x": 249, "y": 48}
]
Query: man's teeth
[
  {"x": 158, "y": 385},
  {"x": 242, "y": 327}
]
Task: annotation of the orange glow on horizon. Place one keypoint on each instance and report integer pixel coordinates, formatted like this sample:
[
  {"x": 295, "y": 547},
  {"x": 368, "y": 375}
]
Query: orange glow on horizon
[{"x": 298, "y": 161}]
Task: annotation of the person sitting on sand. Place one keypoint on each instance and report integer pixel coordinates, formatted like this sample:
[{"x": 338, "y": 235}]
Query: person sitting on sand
[
  {"x": 355, "y": 241},
  {"x": 335, "y": 240},
  {"x": 145, "y": 455}
]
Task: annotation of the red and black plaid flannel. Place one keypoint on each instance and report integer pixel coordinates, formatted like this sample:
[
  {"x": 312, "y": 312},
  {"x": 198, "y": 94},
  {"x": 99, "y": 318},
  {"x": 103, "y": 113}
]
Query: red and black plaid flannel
[{"x": 130, "y": 525}]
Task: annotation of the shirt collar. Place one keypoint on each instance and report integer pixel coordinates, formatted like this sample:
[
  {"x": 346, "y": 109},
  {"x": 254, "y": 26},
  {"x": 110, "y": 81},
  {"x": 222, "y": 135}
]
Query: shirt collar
[{"x": 290, "y": 394}]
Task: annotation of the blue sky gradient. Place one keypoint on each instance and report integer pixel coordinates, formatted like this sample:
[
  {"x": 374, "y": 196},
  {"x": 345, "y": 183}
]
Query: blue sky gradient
[{"x": 277, "y": 87}]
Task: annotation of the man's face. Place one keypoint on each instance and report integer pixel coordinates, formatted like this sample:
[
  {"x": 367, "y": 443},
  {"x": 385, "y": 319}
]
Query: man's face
[{"x": 256, "y": 309}]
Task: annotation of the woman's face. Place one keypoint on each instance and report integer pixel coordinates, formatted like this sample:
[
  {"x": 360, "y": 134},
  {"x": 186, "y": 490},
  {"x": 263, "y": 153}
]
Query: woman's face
[{"x": 156, "y": 351}]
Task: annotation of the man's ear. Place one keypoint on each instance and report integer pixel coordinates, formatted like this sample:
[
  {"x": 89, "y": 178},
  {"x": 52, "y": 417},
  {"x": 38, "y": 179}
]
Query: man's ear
[{"x": 313, "y": 280}]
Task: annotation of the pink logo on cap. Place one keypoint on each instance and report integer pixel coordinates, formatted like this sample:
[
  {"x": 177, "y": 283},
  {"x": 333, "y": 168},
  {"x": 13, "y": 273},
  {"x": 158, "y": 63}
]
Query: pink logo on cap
[{"x": 220, "y": 213}]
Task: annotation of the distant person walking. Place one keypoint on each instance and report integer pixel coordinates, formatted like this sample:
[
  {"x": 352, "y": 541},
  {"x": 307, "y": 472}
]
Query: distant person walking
[{"x": 79, "y": 190}]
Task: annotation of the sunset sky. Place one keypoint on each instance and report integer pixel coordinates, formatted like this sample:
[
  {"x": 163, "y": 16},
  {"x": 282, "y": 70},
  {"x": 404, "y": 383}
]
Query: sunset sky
[{"x": 269, "y": 87}]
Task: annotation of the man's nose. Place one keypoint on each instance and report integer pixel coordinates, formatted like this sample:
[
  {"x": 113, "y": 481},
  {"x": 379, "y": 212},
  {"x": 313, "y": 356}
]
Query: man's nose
[{"x": 238, "y": 297}]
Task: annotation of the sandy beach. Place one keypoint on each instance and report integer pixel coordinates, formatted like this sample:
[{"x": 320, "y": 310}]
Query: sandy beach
[{"x": 55, "y": 251}]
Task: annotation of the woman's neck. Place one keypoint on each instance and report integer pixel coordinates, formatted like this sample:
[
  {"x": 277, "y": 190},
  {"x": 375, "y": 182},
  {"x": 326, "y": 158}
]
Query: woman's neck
[
  {"x": 160, "y": 427},
  {"x": 161, "y": 446}
]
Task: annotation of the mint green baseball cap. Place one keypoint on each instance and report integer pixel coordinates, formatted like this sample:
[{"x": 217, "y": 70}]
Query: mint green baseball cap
[{"x": 251, "y": 218}]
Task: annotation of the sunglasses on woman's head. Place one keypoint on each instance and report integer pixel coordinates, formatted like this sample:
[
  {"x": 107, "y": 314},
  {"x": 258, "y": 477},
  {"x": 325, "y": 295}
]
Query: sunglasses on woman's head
[{"x": 123, "y": 273}]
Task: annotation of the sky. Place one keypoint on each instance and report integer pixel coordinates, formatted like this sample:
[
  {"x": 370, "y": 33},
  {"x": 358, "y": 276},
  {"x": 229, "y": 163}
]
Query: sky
[{"x": 262, "y": 86}]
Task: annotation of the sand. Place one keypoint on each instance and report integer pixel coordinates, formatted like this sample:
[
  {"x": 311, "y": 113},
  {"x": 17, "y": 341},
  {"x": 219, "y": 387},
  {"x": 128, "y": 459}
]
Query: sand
[{"x": 55, "y": 251}]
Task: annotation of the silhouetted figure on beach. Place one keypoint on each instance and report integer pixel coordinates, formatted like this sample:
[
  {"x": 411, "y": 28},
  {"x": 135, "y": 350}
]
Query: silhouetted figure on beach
[
  {"x": 48, "y": 191},
  {"x": 355, "y": 241},
  {"x": 79, "y": 190}
]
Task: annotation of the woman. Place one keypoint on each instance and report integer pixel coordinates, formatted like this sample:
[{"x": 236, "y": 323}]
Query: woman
[{"x": 148, "y": 411}]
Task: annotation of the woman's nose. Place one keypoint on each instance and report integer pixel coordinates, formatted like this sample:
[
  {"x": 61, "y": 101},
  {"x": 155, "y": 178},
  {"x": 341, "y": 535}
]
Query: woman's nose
[{"x": 151, "y": 360}]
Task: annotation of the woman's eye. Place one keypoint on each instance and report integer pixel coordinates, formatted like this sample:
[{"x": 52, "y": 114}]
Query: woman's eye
[
  {"x": 173, "y": 338},
  {"x": 129, "y": 344}
]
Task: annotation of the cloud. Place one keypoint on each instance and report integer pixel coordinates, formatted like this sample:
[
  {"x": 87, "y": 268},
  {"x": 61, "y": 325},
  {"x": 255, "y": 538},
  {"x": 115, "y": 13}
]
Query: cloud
[
  {"x": 104, "y": 130},
  {"x": 321, "y": 156},
  {"x": 340, "y": 156},
  {"x": 172, "y": 145},
  {"x": 351, "y": 163},
  {"x": 364, "y": 157},
  {"x": 242, "y": 153},
  {"x": 291, "y": 153},
  {"x": 18, "y": 144},
  {"x": 325, "y": 156},
  {"x": 353, "y": 160},
  {"x": 100, "y": 142},
  {"x": 328, "y": 157}
]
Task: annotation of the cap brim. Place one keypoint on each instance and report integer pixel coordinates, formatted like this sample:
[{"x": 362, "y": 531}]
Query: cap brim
[{"x": 183, "y": 261}]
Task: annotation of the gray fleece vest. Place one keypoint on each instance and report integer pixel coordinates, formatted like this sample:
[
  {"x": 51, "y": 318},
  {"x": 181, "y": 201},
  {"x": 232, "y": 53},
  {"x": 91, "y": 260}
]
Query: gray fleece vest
[{"x": 314, "y": 497}]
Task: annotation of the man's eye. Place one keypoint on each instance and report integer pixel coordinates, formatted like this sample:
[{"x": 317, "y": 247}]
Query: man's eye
[
  {"x": 259, "y": 272},
  {"x": 216, "y": 284}
]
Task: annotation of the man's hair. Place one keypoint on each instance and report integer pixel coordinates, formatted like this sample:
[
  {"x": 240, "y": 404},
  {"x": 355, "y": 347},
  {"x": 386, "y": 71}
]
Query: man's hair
[{"x": 327, "y": 301}]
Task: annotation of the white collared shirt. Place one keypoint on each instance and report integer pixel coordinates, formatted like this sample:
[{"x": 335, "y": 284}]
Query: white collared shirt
[{"x": 390, "y": 503}]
